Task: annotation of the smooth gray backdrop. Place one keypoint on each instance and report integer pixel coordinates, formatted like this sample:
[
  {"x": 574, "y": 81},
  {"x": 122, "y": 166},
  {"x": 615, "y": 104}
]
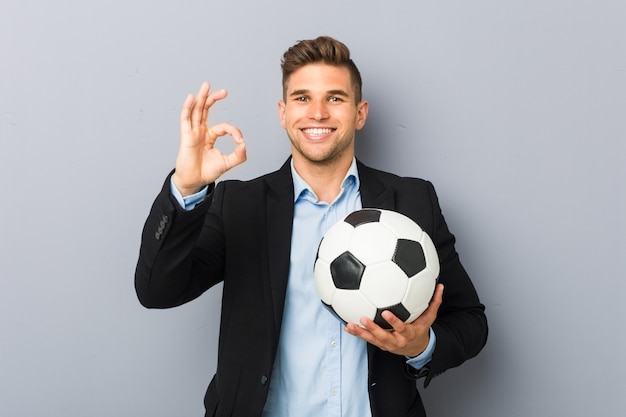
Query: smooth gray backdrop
[{"x": 516, "y": 110}]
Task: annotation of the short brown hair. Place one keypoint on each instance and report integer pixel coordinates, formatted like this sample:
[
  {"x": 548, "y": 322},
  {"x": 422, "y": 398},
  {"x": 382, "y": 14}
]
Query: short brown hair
[{"x": 322, "y": 50}]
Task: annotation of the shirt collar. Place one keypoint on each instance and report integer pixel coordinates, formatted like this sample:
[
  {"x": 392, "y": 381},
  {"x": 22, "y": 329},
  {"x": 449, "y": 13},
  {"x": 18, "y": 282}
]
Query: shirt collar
[{"x": 300, "y": 186}]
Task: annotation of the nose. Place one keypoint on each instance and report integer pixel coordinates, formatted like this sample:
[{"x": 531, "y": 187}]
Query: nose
[{"x": 318, "y": 110}]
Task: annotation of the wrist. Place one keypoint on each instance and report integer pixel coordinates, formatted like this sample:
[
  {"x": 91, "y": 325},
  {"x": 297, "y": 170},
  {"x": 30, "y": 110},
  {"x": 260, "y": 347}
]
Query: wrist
[
  {"x": 428, "y": 349},
  {"x": 185, "y": 190},
  {"x": 418, "y": 349}
]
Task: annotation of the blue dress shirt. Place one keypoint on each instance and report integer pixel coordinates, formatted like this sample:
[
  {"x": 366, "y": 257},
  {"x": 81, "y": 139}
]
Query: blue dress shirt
[{"x": 319, "y": 368}]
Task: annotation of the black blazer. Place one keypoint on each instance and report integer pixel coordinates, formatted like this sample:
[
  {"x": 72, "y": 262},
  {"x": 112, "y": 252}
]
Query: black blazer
[{"x": 241, "y": 235}]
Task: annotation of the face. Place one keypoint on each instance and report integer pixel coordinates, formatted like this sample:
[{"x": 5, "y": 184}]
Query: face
[{"x": 320, "y": 115}]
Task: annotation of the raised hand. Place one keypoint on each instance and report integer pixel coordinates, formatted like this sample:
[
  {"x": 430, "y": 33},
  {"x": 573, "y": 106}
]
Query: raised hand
[{"x": 198, "y": 161}]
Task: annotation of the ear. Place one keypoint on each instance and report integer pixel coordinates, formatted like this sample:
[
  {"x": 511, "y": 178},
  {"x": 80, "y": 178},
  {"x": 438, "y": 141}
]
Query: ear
[
  {"x": 281, "y": 112},
  {"x": 361, "y": 114}
]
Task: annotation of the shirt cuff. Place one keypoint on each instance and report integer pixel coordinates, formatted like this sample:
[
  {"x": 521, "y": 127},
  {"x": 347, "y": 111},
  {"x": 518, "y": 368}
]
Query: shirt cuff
[
  {"x": 191, "y": 201},
  {"x": 426, "y": 356}
]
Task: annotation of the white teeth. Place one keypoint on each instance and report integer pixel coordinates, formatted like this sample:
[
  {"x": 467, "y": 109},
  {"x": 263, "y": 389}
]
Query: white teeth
[{"x": 317, "y": 131}]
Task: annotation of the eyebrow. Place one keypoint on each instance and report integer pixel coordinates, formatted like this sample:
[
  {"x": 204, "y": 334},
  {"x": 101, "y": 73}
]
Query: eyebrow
[{"x": 329, "y": 92}]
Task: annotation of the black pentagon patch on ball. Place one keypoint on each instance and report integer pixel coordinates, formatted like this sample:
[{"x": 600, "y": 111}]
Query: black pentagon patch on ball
[
  {"x": 347, "y": 271},
  {"x": 398, "y": 310},
  {"x": 409, "y": 256},
  {"x": 363, "y": 216}
]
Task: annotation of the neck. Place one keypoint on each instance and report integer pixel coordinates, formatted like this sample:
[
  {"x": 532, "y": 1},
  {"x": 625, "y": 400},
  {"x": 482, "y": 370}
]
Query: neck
[{"x": 324, "y": 179}]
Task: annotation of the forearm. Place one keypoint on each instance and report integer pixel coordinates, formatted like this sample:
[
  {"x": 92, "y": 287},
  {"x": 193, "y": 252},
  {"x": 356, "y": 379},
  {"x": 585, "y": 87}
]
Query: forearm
[
  {"x": 167, "y": 274},
  {"x": 461, "y": 326}
]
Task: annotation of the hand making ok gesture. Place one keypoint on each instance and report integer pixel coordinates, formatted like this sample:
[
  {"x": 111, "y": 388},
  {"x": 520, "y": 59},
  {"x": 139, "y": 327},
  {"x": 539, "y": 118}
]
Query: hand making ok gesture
[{"x": 198, "y": 161}]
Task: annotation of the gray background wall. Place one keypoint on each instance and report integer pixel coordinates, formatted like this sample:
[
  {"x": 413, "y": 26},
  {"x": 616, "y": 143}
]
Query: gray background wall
[{"x": 515, "y": 110}]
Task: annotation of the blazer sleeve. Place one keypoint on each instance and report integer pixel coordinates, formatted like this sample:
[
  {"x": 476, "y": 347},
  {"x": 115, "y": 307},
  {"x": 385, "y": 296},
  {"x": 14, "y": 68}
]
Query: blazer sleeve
[
  {"x": 168, "y": 272},
  {"x": 461, "y": 325}
]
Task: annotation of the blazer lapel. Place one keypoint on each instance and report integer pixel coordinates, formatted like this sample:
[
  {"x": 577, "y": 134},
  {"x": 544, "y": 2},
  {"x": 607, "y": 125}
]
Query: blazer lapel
[
  {"x": 279, "y": 221},
  {"x": 374, "y": 194}
]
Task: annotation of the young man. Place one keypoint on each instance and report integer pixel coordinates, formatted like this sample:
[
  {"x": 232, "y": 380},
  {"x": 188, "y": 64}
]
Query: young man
[{"x": 281, "y": 353}]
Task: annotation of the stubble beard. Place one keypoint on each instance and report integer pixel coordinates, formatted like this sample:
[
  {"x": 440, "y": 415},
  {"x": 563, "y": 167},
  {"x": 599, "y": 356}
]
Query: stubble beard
[{"x": 326, "y": 158}]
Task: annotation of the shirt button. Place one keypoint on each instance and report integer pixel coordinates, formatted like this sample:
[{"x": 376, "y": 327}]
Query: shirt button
[
  {"x": 333, "y": 392},
  {"x": 333, "y": 343}
]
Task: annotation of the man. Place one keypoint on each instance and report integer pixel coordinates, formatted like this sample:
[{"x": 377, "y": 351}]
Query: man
[{"x": 281, "y": 353}]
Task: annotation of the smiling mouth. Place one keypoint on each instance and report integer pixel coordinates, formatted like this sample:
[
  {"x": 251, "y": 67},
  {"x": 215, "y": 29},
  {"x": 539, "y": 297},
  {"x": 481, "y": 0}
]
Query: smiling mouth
[{"x": 317, "y": 131}]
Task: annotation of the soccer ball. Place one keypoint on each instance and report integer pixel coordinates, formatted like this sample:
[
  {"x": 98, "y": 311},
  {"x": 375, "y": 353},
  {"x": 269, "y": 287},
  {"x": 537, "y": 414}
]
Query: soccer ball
[{"x": 376, "y": 260}]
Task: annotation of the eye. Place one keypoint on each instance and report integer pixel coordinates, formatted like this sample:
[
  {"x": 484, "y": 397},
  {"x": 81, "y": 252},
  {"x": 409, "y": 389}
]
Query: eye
[
  {"x": 334, "y": 99},
  {"x": 302, "y": 99}
]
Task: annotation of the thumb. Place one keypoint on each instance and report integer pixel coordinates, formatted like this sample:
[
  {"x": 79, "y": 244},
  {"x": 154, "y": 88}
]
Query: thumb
[{"x": 238, "y": 156}]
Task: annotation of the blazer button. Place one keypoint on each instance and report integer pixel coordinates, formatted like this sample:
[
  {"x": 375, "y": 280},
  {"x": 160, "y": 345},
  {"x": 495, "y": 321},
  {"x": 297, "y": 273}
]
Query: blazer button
[{"x": 264, "y": 380}]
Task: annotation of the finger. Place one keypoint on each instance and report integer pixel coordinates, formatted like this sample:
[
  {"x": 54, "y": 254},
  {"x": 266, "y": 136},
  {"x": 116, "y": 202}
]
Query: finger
[
  {"x": 198, "y": 106},
  {"x": 223, "y": 129},
  {"x": 381, "y": 336},
  {"x": 428, "y": 317},
  {"x": 377, "y": 336},
  {"x": 435, "y": 303},
  {"x": 238, "y": 156},
  {"x": 358, "y": 331},
  {"x": 396, "y": 324},
  {"x": 210, "y": 101},
  {"x": 185, "y": 122}
]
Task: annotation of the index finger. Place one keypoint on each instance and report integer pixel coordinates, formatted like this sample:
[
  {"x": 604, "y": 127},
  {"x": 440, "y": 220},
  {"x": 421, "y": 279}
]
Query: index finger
[
  {"x": 226, "y": 129},
  {"x": 426, "y": 319}
]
